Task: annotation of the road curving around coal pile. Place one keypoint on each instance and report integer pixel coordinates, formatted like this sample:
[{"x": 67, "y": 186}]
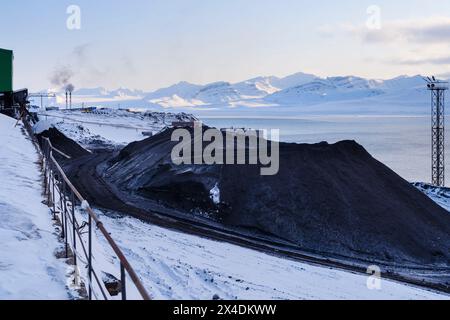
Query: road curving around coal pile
[{"x": 334, "y": 182}]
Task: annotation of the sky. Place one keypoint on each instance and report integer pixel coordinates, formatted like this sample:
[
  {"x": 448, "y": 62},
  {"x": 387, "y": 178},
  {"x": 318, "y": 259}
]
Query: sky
[{"x": 155, "y": 43}]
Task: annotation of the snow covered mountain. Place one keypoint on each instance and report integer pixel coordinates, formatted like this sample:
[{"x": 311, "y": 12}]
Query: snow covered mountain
[
  {"x": 184, "y": 90},
  {"x": 179, "y": 95},
  {"x": 102, "y": 92},
  {"x": 329, "y": 89},
  {"x": 219, "y": 92},
  {"x": 293, "y": 80},
  {"x": 297, "y": 92},
  {"x": 257, "y": 87}
]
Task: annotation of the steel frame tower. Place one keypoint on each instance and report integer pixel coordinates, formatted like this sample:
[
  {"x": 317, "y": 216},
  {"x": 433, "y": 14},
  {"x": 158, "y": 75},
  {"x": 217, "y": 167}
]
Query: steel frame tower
[
  {"x": 438, "y": 89},
  {"x": 42, "y": 96}
]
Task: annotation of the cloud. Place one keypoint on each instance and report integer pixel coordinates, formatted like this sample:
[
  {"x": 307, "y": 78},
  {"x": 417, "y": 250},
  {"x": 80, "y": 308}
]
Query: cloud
[
  {"x": 441, "y": 61},
  {"x": 445, "y": 75},
  {"x": 409, "y": 43},
  {"x": 419, "y": 31}
]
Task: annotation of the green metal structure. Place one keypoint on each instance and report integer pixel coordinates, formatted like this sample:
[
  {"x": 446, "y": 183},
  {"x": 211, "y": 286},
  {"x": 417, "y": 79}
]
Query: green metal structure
[{"x": 6, "y": 70}]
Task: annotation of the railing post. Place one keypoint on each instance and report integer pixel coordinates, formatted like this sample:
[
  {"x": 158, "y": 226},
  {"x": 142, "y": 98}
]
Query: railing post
[
  {"x": 49, "y": 183},
  {"x": 53, "y": 193},
  {"x": 63, "y": 231},
  {"x": 123, "y": 279},
  {"x": 66, "y": 238},
  {"x": 46, "y": 188},
  {"x": 90, "y": 257},
  {"x": 45, "y": 172},
  {"x": 74, "y": 230}
]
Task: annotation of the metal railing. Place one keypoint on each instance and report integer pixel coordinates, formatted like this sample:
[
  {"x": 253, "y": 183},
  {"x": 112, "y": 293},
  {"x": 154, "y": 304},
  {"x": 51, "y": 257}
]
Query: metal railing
[{"x": 62, "y": 198}]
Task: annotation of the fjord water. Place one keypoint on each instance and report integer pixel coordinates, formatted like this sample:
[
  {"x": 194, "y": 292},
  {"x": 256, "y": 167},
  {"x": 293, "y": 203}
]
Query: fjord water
[{"x": 403, "y": 143}]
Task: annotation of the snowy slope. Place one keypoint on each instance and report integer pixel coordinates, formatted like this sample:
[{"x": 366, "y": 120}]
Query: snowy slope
[
  {"x": 402, "y": 83},
  {"x": 28, "y": 266},
  {"x": 178, "y": 266},
  {"x": 293, "y": 80},
  {"x": 439, "y": 195},
  {"x": 100, "y": 91},
  {"x": 179, "y": 95},
  {"x": 110, "y": 126},
  {"x": 257, "y": 88},
  {"x": 216, "y": 93},
  {"x": 183, "y": 89},
  {"x": 330, "y": 89},
  {"x": 118, "y": 93}
]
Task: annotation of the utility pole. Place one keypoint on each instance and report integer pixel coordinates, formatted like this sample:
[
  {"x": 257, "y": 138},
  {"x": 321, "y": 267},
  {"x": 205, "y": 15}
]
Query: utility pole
[{"x": 438, "y": 89}]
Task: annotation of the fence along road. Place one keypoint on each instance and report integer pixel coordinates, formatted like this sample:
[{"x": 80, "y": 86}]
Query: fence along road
[{"x": 57, "y": 185}]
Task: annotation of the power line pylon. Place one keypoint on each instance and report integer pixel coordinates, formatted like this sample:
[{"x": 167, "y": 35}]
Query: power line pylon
[{"x": 438, "y": 89}]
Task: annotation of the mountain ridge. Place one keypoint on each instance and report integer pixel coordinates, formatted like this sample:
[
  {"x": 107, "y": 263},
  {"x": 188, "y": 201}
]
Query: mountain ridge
[{"x": 298, "y": 90}]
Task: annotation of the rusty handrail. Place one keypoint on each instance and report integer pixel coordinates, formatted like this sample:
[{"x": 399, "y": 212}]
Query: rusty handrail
[
  {"x": 125, "y": 265},
  {"x": 60, "y": 152}
]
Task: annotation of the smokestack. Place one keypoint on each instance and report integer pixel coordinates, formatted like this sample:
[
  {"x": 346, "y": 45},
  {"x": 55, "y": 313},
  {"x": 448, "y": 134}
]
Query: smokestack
[
  {"x": 67, "y": 100},
  {"x": 69, "y": 89}
]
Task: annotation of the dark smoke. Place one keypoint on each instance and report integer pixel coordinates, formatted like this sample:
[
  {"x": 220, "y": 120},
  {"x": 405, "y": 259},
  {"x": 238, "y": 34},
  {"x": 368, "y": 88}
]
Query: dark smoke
[
  {"x": 70, "y": 88},
  {"x": 61, "y": 78}
]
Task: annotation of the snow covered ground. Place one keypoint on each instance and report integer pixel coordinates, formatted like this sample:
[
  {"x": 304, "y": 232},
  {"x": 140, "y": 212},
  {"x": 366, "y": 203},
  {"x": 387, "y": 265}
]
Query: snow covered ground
[
  {"x": 174, "y": 265},
  {"x": 28, "y": 266},
  {"x": 108, "y": 126},
  {"x": 439, "y": 195}
]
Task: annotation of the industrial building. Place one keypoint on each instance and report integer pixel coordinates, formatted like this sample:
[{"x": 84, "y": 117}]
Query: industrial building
[
  {"x": 6, "y": 65},
  {"x": 10, "y": 101}
]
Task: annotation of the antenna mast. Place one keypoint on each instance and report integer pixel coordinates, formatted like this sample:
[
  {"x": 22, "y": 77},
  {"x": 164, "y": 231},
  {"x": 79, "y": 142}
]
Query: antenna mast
[{"x": 438, "y": 89}]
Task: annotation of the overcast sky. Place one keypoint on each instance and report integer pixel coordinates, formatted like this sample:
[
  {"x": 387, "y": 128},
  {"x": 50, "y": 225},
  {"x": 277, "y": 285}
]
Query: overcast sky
[{"x": 148, "y": 44}]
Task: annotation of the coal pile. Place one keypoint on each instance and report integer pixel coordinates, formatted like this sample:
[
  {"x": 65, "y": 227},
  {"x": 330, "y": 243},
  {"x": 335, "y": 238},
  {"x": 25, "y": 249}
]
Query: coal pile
[
  {"x": 336, "y": 200},
  {"x": 146, "y": 168},
  {"x": 63, "y": 143}
]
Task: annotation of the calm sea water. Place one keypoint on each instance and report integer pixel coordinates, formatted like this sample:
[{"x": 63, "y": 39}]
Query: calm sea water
[{"x": 402, "y": 143}]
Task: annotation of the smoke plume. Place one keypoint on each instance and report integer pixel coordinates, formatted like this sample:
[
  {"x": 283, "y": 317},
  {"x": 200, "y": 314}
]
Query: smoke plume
[
  {"x": 62, "y": 77},
  {"x": 70, "y": 88}
]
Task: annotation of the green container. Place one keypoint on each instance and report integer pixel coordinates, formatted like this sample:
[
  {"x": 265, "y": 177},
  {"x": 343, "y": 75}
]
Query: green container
[{"x": 6, "y": 70}]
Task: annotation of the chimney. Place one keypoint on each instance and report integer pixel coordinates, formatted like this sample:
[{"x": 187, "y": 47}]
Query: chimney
[
  {"x": 67, "y": 100},
  {"x": 70, "y": 97}
]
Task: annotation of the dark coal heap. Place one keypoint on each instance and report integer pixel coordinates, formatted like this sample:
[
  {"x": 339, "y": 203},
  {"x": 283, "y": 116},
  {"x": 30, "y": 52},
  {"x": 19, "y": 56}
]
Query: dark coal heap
[
  {"x": 334, "y": 200},
  {"x": 62, "y": 143}
]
